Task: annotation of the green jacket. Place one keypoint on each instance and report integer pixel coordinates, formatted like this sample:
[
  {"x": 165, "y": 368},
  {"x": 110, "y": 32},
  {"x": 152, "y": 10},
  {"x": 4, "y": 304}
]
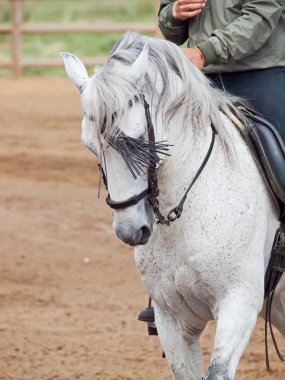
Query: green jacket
[{"x": 234, "y": 35}]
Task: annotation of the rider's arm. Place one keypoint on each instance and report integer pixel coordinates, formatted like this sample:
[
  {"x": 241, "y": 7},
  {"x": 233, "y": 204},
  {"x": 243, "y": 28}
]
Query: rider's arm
[
  {"x": 246, "y": 34},
  {"x": 173, "y": 29}
]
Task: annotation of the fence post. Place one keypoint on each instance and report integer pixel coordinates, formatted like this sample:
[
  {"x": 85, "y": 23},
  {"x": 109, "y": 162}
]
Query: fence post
[{"x": 16, "y": 41}]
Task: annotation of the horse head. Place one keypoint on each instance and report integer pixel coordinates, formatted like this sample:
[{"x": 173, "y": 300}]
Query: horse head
[{"x": 115, "y": 128}]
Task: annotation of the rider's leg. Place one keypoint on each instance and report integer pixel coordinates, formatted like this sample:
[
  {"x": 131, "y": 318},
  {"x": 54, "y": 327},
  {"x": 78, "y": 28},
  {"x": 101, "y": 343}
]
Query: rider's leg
[{"x": 264, "y": 89}]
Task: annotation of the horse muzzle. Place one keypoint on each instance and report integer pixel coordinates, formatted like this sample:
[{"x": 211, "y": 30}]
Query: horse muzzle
[{"x": 134, "y": 237}]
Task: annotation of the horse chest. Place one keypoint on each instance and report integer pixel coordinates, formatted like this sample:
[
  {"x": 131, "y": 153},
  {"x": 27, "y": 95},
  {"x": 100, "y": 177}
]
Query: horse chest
[{"x": 175, "y": 276}]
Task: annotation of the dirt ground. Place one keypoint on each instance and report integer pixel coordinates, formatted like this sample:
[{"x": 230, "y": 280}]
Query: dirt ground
[{"x": 69, "y": 290}]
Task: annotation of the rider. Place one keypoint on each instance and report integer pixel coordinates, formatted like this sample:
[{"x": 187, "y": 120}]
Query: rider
[{"x": 239, "y": 45}]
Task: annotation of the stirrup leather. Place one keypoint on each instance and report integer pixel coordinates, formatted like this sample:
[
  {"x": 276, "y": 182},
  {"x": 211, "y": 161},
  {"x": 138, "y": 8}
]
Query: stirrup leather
[{"x": 275, "y": 269}]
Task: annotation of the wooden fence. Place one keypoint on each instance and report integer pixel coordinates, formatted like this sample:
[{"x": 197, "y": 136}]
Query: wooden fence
[{"x": 17, "y": 29}]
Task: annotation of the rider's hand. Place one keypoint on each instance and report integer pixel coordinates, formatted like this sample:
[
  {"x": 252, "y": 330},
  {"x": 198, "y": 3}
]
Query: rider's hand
[
  {"x": 184, "y": 9},
  {"x": 195, "y": 56}
]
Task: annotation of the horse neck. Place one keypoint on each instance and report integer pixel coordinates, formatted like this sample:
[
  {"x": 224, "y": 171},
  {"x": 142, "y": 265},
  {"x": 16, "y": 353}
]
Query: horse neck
[
  {"x": 191, "y": 138},
  {"x": 189, "y": 149}
]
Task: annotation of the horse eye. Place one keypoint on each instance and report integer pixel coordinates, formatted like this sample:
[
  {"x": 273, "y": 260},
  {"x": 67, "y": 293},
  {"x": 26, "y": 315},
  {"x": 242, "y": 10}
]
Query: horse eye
[{"x": 131, "y": 102}]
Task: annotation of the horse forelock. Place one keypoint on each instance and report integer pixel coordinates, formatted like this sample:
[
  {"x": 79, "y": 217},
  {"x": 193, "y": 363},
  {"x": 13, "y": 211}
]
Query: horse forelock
[
  {"x": 106, "y": 100},
  {"x": 107, "y": 96}
]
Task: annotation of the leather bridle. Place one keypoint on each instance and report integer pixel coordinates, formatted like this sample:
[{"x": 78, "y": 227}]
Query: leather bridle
[{"x": 152, "y": 192}]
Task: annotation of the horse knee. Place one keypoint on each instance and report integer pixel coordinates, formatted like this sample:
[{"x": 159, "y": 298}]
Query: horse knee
[{"x": 192, "y": 334}]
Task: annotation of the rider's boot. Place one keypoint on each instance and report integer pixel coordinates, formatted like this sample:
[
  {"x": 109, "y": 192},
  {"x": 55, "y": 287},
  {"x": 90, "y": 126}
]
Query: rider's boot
[{"x": 148, "y": 317}]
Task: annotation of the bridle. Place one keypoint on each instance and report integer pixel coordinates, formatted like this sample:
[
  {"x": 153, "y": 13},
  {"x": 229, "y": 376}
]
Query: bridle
[{"x": 152, "y": 191}]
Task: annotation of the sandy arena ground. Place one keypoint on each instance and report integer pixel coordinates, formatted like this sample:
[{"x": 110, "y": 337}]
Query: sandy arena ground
[{"x": 69, "y": 290}]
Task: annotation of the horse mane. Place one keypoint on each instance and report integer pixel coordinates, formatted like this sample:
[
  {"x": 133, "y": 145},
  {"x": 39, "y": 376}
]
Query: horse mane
[{"x": 109, "y": 92}]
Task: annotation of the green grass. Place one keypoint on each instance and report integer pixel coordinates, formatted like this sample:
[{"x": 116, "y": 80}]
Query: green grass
[
  {"x": 88, "y": 10},
  {"x": 71, "y": 11},
  {"x": 81, "y": 10},
  {"x": 49, "y": 46}
]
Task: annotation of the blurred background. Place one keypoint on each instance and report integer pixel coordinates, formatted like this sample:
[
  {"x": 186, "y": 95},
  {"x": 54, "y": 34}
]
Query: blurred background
[
  {"x": 69, "y": 290},
  {"x": 32, "y": 32}
]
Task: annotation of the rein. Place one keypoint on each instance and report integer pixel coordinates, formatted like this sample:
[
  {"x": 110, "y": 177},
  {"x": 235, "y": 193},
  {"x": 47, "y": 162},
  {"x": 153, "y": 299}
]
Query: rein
[{"x": 153, "y": 191}]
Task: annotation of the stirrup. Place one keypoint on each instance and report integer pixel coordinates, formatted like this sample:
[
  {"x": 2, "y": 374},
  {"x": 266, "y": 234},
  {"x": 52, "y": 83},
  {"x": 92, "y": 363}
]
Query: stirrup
[{"x": 147, "y": 316}]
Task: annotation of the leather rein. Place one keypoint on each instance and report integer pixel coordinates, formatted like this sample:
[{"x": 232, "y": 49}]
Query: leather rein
[{"x": 152, "y": 192}]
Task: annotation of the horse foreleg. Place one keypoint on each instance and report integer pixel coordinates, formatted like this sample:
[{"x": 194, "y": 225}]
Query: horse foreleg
[
  {"x": 181, "y": 346},
  {"x": 236, "y": 318}
]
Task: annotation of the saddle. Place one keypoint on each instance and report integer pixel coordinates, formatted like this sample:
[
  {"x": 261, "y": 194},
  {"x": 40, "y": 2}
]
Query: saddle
[{"x": 269, "y": 151}]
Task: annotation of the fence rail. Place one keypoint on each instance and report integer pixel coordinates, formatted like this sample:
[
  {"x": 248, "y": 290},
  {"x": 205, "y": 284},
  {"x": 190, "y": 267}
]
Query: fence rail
[{"x": 17, "y": 29}]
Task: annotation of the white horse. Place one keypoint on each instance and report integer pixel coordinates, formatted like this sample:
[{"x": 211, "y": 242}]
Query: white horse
[{"x": 210, "y": 263}]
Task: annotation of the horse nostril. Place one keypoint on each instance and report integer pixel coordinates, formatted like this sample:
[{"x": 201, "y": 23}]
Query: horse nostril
[
  {"x": 145, "y": 235},
  {"x": 133, "y": 238},
  {"x": 146, "y": 231}
]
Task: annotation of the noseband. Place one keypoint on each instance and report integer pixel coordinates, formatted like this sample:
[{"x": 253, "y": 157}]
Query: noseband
[
  {"x": 128, "y": 203},
  {"x": 152, "y": 192}
]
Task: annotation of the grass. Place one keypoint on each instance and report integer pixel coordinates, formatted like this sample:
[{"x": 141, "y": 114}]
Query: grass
[
  {"x": 71, "y": 11},
  {"x": 81, "y": 10}
]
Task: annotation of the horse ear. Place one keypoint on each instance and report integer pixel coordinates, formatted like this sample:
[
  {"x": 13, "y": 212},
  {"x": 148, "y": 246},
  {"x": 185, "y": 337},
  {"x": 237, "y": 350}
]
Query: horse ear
[
  {"x": 75, "y": 70},
  {"x": 139, "y": 67}
]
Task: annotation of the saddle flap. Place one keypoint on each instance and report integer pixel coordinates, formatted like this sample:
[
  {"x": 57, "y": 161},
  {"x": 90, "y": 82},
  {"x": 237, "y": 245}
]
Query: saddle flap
[
  {"x": 268, "y": 150},
  {"x": 271, "y": 153}
]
